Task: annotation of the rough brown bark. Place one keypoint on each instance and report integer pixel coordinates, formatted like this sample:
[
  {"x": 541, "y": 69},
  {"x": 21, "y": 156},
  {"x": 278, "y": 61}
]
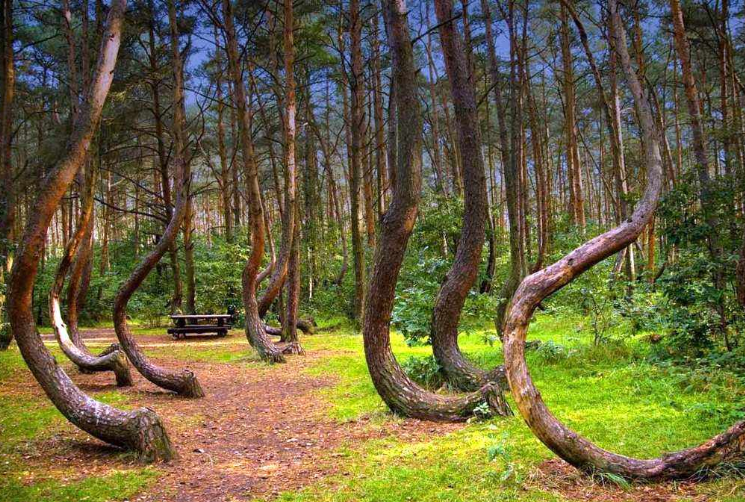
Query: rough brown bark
[
  {"x": 255, "y": 331},
  {"x": 572, "y": 154},
  {"x": 279, "y": 275},
  {"x": 7, "y": 199},
  {"x": 462, "y": 275},
  {"x": 165, "y": 185},
  {"x": 184, "y": 383},
  {"x": 290, "y": 321},
  {"x": 357, "y": 117},
  {"x": 512, "y": 167},
  {"x": 113, "y": 360},
  {"x": 140, "y": 430},
  {"x": 399, "y": 392},
  {"x": 564, "y": 442}
]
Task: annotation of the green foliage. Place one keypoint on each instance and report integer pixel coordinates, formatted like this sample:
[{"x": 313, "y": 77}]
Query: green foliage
[
  {"x": 702, "y": 313},
  {"x": 425, "y": 371}
]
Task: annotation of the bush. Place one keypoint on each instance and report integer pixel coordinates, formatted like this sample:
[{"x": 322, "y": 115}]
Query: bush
[{"x": 425, "y": 371}]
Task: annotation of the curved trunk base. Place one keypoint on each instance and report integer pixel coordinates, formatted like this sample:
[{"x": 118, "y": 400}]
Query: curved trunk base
[
  {"x": 258, "y": 339},
  {"x": 307, "y": 326},
  {"x": 459, "y": 372},
  {"x": 293, "y": 348},
  {"x": 404, "y": 397},
  {"x": 575, "y": 449},
  {"x": 184, "y": 383},
  {"x": 151, "y": 440}
]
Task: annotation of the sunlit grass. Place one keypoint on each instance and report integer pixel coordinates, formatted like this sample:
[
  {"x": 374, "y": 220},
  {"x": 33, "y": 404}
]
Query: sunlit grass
[{"x": 611, "y": 394}]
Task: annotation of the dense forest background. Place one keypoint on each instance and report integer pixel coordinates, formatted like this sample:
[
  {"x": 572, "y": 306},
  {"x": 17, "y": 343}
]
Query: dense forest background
[{"x": 541, "y": 111}]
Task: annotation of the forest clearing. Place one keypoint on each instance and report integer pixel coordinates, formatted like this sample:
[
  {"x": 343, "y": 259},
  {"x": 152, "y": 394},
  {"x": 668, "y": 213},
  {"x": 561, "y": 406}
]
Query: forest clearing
[
  {"x": 320, "y": 432},
  {"x": 379, "y": 250}
]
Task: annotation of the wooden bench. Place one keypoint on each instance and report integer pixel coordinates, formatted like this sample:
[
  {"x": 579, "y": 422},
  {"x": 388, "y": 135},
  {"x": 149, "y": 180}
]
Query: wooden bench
[{"x": 192, "y": 323}]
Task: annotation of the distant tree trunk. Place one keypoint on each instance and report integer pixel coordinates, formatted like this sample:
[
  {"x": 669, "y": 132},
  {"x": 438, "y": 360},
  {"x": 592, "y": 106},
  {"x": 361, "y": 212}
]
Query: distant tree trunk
[
  {"x": 399, "y": 392},
  {"x": 355, "y": 168},
  {"x": 380, "y": 146},
  {"x": 255, "y": 331},
  {"x": 189, "y": 266},
  {"x": 462, "y": 275},
  {"x": 290, "y": 321},
  {"x": 184, "y": 383},
  {"x": 7, "y": 199},
  {"x": 561, "y": 440},
  {"x": 701, "y": 157},
  {"x": 435, "y": 119},
  {"x": 512, "y": 168},
  {"x": 162, "y": 156},
  {"x": 574, "y": 169},
  {"x": 140, "y": 430}
]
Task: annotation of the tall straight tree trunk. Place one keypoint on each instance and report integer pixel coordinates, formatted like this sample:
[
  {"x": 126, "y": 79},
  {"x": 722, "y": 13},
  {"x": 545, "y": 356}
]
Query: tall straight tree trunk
[
  {"x": 380, "y": 146},
  {"x": 189, "y": 266},
  {"x": 165, "y": 184},
  {"x": 225, "y": 169},
  {"x": 570, "y": 126},
  {"x": 357, "y": 117},
  {"x": 701, "y": 156},
  {"x": 512, "y": 168},
  {"x": 432, "y": 80},
  {"x": 7, "y": 199},
  {"x": 255, "y": 331},
  {"x": 184, "y": 383},
  {"x": 139, "y": 430},
  {"x": 290, "y": 321},
  {"x": 289, "y": 197}
]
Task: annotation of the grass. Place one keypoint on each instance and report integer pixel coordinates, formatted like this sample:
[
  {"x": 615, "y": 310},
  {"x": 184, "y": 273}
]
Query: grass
[
  {"x": 108, "y": 488},
  {"x": 611, "y": 394}
]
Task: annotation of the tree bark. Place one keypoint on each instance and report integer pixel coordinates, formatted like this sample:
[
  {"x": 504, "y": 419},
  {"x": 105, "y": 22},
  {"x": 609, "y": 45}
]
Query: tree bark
[
  {"x": 561, "y": 440},
  {"x": 140, "y": 430},
  {"x": 7, "y": 199},
  {"x": 184, "y": 383},
  {"x": 279, "y": 275},
  {"x": 572, "y": 154},
  {"x": 460, "y": 279},
  {"x": 512, "y": 166},
  {"x": 255, "y": 331},
  {"x": 355, "y": 168},
  {"x": 399, "y": 392},
  {"x": 113, "y": 359}
]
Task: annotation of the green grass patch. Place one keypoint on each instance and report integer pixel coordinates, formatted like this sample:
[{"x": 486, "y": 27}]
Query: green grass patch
[{"x": 109, "y": 488}]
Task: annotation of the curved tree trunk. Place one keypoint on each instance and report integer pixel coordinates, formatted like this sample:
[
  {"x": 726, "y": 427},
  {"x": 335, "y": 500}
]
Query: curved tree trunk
[
  {"x": 112, "y": 360},
  {"x": 462, "y": 275},
  {"x": 255, "y": 331},
  {"x": 140, "y": 430},
  {"x": 566, "y": 443},
  {"x": 77, "y": 290},
  {"x": 399, "y": 392},
  {"x": 184, "y": 383}
]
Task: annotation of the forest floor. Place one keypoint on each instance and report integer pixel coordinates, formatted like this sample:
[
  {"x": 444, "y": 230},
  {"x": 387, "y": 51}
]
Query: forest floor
[{"x": 315, "y": 430}]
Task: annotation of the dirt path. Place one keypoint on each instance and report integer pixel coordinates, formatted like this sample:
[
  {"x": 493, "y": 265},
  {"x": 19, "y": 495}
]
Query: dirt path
[{"x": 261, "y": 429}]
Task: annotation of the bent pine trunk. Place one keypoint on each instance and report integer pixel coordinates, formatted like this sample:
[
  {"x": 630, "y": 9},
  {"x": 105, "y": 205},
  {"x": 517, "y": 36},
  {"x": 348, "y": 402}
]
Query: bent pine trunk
[
  {"x": 563, "y": 441},
  {"x": 139, "y": 430},
  {"x": 398, "y": 391}
]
